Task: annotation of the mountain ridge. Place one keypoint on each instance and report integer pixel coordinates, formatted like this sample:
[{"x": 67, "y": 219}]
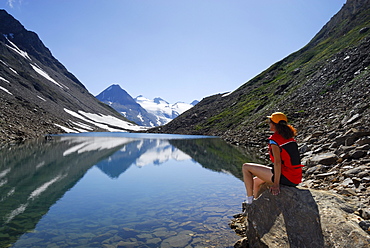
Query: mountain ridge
[
  {"x": 122, "y": 102},
  {"x": 141, "y": 110},
  {"x": 333, "y": 58},
  {"x": 39, "y": 95}
]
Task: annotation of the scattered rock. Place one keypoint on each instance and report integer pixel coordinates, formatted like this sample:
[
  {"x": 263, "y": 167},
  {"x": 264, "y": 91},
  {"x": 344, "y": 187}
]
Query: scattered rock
[
  {"x": 363, "y": 141},
  {"x": 180, "y": 240},
  {"x": 325, "y": 158},
  {"x": 300, "y": 217},
  {"x": 355, "y": 171},
  {"x": 365, "y": 213},
  {"x": 356, "y": 154},
  {"x": 365, "y": 225},
  {"x": 127, "y": 244},
  {"x": 327, "y": 174}
]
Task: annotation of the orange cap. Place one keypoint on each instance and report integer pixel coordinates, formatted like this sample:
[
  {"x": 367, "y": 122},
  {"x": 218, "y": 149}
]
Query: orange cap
[{"x": 278, "y": 116}]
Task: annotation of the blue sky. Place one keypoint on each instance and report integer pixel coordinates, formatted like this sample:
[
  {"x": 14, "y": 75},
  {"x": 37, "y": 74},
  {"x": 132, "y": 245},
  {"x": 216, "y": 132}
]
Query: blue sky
[{"x": 180, "y": 50}]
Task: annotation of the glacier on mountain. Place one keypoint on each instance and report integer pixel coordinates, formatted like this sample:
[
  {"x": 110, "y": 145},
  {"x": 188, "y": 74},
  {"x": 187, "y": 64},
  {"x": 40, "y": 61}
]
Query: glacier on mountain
[
  {"x": 141, "y": 110},
  {"x": 164, "y": 111}
]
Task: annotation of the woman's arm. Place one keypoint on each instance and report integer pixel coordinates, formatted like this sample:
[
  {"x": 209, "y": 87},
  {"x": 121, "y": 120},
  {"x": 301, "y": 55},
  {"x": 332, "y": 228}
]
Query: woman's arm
[{"x": 275, "y": 188}]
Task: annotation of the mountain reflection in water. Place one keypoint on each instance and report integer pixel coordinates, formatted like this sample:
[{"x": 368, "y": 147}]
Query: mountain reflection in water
[{"x": 36, "y": 176}]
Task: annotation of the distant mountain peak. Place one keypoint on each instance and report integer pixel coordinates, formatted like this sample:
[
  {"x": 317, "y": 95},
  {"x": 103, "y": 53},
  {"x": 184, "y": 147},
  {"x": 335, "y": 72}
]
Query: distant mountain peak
[
  {"x": 122, "y": 102},
  {"x": 114, "y": 86},
  {"x": 164, "y": 111},
  {"x": 145, "y": 112}
]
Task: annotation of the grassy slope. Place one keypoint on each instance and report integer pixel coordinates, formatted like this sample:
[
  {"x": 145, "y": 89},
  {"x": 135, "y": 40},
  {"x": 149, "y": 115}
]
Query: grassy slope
[{"x": 275, "y": 84}]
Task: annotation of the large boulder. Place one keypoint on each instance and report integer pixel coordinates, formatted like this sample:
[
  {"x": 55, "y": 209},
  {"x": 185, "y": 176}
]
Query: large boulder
[{"x": 300, "y": 217}]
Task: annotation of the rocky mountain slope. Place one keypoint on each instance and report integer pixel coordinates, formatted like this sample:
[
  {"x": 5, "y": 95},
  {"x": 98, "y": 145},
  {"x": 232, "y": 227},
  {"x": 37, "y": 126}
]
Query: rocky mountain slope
[
  {"x": 321, "y": 83},
  {"x": 39, "y": 96},
  {"x": 324, "y": 88}
]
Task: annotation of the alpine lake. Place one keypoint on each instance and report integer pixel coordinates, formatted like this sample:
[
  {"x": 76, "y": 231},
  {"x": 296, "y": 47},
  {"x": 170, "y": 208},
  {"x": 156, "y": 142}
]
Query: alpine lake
[{"x": 120, "y": 190}]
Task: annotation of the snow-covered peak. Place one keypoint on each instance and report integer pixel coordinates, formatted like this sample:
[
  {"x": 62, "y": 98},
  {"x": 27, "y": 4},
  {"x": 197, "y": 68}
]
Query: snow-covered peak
[
  {"x": 181, "y": 107},
  {"x": 164, "y": 111},
  {"x": 141, "y": 110}
]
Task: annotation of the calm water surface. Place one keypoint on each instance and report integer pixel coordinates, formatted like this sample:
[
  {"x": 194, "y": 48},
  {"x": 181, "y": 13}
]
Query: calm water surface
[{"x": 120, "y": 190}]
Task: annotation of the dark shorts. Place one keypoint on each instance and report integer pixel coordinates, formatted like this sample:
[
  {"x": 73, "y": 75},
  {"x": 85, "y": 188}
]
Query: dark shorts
[{"x": 283, "y": 179}]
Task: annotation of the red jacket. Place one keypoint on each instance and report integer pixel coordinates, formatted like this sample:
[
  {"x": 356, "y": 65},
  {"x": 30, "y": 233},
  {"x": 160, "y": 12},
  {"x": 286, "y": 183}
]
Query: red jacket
[{"x": 291, "y": 166}]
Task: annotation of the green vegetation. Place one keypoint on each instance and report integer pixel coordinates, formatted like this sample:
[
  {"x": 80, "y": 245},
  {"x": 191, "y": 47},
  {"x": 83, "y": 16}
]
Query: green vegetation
[{"x": 285, "y": 77}]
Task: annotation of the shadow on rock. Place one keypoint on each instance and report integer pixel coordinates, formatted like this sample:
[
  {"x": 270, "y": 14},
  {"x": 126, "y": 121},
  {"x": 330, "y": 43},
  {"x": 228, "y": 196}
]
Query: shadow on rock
[
  {"x": 301, "y": 218},
  {"x": 296, "y": 208}
]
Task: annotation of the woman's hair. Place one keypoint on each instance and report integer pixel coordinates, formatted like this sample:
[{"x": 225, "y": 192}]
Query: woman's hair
[{"x": 285, "y": 130}]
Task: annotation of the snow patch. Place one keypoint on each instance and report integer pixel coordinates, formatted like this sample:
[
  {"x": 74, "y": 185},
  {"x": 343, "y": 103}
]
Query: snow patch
[
  {"x": 66, "y": 129},
  {"x": 1, "y": 78},
  {"x": 45, "y": 75},
  {"x": 105, "y": 121},
  {"x": 140, "y": 116},
  {"x": 41, "y": 98},
  {"x": 111, "y": 120},
  {"x": 14, "y": 71},
  {"x": 7, "y": 91},
  {"x": 16, "y": 49},
  {"x": 84, "y": 126}
]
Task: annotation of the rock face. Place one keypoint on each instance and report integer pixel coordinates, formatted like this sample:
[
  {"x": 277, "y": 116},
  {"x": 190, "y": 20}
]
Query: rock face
[
  {"x": 338, "y": 162},
  {"x": 301, "y": 218},
  {"x": 36, "y": 89}
]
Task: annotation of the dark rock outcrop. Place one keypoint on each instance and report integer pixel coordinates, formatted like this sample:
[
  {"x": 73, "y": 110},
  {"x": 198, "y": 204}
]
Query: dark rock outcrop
[{"x": 301, "y": 218}]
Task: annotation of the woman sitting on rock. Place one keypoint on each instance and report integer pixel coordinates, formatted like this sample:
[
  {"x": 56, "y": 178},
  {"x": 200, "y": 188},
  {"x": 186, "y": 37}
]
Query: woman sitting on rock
[{"x": 284, "y": 154}]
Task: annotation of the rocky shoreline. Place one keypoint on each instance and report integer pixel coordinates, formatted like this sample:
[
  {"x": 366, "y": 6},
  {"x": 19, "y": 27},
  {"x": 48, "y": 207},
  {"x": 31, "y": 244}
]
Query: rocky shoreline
[
  {"x": 300, "y": 217},
  {"x": 337, "y": 161}
]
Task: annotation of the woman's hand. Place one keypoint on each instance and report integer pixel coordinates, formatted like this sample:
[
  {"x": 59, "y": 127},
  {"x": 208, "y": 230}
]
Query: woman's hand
[{"x": 275, "y": 189}]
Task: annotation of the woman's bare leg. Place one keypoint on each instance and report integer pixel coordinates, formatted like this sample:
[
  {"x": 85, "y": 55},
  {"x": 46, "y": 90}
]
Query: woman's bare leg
[
  {"x": 261, "y": 171},
  {"x": 257, "y": 182}
]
